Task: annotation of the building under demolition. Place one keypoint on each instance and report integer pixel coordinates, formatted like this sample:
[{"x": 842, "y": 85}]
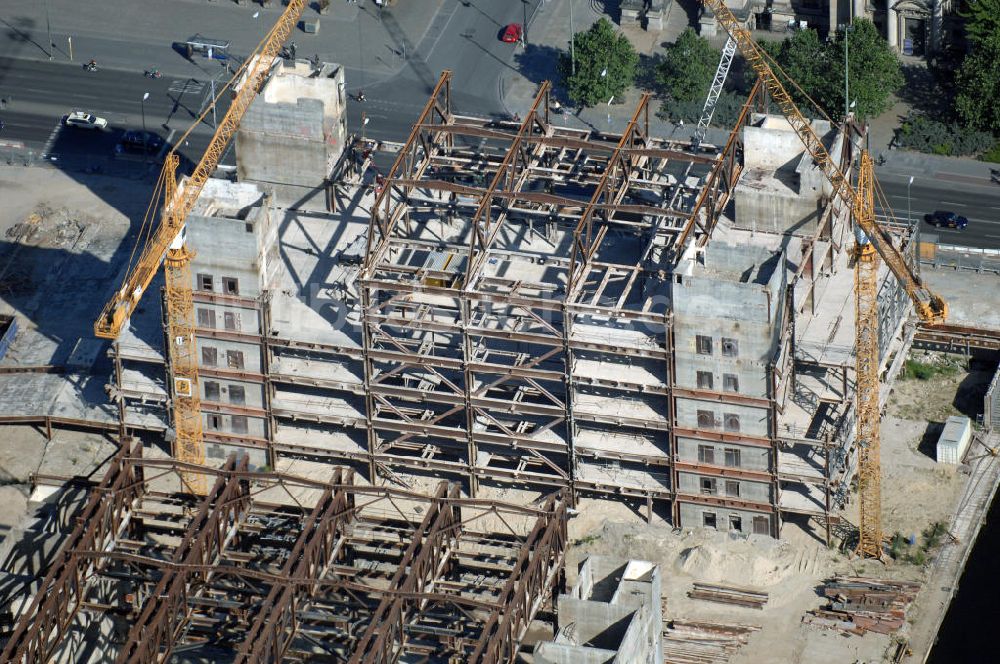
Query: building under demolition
[
  {"x": 273, "y": 567},
  {"x": 524, "y": 306}
]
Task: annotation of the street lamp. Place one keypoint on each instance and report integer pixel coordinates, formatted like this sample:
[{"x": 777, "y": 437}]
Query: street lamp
[
  {"x": 908, "y": 219},
  {"x": 48, "y": 29},
  {"x": 848, "y": 29},
  {"x": 142, "y": 109},
  {"x": 364, "y": 123},
  {"x": 260, "y": 31},
  {"x": 572, "y": 35},
  {"x": 524, "y": 24}
]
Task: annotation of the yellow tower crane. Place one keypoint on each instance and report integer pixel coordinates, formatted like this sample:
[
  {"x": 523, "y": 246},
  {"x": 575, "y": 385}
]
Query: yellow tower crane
[
  {"x": 166, "y": 242},
  {"x": 873, "y": 243}
]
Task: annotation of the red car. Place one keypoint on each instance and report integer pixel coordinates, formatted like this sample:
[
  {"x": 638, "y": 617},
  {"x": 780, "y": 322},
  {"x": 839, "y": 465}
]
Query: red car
[{"x": 512, "y": 33}]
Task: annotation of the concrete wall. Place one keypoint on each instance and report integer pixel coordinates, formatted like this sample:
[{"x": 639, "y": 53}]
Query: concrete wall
[
  {"x": 230, "y": 233},
  {"x": 753, "y": 421},
  {"x": 751, "y": 458},
  {"x": 294, "y": 133},
  {"x": 781, "y": 189},
  {"x": 691, "y": 516},
  {"x": 733, "y": 293},
  {"x": 217, "y": 453},
  {"x": 769, "y": 143},
  {"x": 254, "y": 392},
  {"x": 256, "y": 427},
  {"x": 776, "y": 211},
  {"x": 611, "y": 616},
  {"x": 748, "y": 490},
  {"x": 252, "y": 361}
]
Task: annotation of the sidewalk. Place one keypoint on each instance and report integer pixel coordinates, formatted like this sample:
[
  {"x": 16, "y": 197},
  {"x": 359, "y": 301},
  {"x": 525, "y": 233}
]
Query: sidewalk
[{"x": 958, "y": 170}]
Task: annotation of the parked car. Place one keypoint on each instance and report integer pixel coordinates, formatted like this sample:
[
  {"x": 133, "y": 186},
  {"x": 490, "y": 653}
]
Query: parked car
[
  {"x": 136, "y": 140},
  {"x": 84, "y": 121},
  {"x": 512, "y": 33},
  {"x": 943, "y": 219}
]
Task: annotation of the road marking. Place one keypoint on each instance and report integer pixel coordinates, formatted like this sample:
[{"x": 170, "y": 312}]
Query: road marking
[
  {"x": 440, "y": 34},
  {"x": 185, "y": 86},
  {"x": 53, "y": 135}
]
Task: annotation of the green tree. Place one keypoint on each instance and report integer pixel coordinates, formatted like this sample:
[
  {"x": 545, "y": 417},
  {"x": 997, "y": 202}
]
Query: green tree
[
  {"x": 688, "y": 67},
  {"x": 606, "y": 64},
  {"x": 875, "y": 70},
  {"x": 982, "y": 19},
  {"x": 807, "y": 61},
  {"x": 978, "y": 82},
  {"x": 817, "y": 68}
]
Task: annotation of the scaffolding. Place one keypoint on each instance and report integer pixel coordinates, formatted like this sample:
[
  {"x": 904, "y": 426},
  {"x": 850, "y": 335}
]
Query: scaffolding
[{"x": 271, "y": 567}]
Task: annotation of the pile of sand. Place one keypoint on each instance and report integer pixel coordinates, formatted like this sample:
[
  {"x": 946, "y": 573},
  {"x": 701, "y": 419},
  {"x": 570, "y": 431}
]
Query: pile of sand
[
  {"x": 735, "y": 564},
  {"x": 707, "y": 555}
]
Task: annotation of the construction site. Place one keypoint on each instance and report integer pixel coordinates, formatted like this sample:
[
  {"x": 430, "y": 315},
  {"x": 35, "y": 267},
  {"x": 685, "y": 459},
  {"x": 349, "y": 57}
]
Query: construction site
[{"x": 504, "y": 401}]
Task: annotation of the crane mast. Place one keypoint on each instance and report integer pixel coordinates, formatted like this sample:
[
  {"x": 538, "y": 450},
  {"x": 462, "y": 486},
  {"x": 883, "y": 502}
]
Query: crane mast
[
  {"x": 867, "y": 369},
  {"x": 167, "y": 244},
  {"x": 930, "y": 307},
  {"x": 708, "y": 110},
  {"x": 873, "y": 243}
]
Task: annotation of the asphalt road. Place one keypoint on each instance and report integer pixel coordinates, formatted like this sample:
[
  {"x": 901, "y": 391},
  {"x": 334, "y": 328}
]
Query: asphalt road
[
  {"x": 44, "y": 92},
  {"x": 980, "y": 204},
  {"x": 465, "y": 38}
]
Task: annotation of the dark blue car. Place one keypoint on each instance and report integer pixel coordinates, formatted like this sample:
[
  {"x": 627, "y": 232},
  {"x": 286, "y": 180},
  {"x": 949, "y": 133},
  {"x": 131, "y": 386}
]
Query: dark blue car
[{"x": 942, "y": 219}]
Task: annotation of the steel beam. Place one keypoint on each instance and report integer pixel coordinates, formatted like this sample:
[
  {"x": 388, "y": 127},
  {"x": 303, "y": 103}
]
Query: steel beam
[
  {"x": 207, "y": 535},
  {"x": 317, "y": 547},
  {"x": 41, "y": 628},
  {"x": 423, "y": 563},
  {"x": 530, "y": 585}
]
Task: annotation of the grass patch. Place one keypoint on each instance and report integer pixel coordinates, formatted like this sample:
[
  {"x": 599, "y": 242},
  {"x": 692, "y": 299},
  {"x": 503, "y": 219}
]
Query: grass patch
[
  {"x": 917, "y": 370},
  {"x": 902, "y": 549},
  {"x": 589, "y": 539}
]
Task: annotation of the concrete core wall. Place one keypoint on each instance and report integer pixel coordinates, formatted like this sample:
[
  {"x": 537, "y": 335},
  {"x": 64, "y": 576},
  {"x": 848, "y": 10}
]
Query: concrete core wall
[
  {"x": 781, "y": 189},
  {"x": 611, "y": 616},
  {"x": 295, "y": 131}
]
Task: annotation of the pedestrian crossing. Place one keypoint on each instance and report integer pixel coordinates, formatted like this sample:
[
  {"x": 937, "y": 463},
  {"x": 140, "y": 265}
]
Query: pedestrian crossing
[{"x": 188, "y": 85}]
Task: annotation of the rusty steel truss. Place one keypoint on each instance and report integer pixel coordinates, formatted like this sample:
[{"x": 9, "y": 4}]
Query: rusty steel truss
[
  {"x": 269, "y": 567},
  {"x": 468, "y": 364}
]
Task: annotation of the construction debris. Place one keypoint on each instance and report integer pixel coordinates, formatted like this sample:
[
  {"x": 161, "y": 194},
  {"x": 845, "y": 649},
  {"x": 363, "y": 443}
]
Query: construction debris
[
  {"x": 686, "y": 642},
  {"x": 748, "y": 597},
  {"x": 859, "y": 605}
]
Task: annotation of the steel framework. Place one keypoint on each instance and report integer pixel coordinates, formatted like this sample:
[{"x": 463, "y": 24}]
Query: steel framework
[
  {"x": 269, "y": 567},
  {"x": 469, "y": 370}
]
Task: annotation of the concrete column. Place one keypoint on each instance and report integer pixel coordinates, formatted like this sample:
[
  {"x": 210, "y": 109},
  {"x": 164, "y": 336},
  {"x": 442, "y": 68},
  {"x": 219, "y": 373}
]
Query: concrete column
[
  {"x": 892, "y": 25},
  {"x": 859, "y": 9}
]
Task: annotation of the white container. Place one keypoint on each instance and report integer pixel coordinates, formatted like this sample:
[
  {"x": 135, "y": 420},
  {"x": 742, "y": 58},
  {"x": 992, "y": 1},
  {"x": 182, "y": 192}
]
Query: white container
[{"x": 954, "y": 440}]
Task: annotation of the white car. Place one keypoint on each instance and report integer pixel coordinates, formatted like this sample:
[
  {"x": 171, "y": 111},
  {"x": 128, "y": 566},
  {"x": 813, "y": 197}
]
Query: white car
[{"x": 85, "y": 121}]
